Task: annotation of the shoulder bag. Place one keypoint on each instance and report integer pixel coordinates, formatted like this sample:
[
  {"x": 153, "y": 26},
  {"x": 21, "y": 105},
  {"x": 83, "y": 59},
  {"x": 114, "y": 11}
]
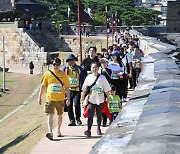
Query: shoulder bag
[
  {"x": 88, "y": 89},
  {"x": 65, "y": 106},
  {"x": 56, "y": 77}
]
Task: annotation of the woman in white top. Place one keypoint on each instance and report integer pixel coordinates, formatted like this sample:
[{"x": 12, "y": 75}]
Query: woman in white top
[
  {"x": 127, "y": 61},
  {"x": 117, "y": 69},
  {"x": 96, "y": 97}
]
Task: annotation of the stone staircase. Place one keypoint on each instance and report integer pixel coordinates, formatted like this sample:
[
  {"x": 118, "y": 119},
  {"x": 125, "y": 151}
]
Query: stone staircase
[
  {"x": 60, "y": 43},
  {"x": 43, "y": 41},
  {"x": 23, "y": 46},
  {"x": 20, "y": 47}
]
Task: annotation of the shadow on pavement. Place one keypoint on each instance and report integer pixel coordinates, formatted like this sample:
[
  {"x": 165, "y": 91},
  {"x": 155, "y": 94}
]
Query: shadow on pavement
[{"x": 78, "y": 137}]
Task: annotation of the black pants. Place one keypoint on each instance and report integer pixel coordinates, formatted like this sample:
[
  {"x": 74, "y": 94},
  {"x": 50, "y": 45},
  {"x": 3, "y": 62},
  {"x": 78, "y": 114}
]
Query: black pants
[
  {"x": 104, "y": 118},
  {"x": 124, "y": 86},
  {"x": 121, "y": 86},
  {"x": 75, "y": 99},
  {"x": 135, "y": 72},
  {"x": 91, "y": 108},
  {"x": 131, "y": 82},
  {"x": 31, "y": 71},
  {"x": 114, "y": 115},
  {"x": 117, "y": 83}
]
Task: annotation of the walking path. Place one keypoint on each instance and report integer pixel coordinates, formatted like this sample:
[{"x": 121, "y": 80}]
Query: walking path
[
  {"x": 18, "y": 68},
  {"x": 74, "y": 140}
]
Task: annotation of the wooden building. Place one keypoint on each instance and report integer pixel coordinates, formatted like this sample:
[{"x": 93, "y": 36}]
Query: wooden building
[{"x": 12, "y": 10}]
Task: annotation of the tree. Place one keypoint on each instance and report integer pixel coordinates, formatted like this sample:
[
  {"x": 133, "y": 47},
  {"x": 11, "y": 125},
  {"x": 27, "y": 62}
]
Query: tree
[{"x": 126, "y": 11}]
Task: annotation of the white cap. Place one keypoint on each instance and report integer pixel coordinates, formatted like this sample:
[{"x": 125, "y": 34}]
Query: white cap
[
  {"x": 124, "y": 45},
  {"x": 103, "y": 60}
]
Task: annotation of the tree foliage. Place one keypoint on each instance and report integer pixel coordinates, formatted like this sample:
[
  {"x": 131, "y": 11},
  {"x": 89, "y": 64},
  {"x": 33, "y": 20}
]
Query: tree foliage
[{"x": 126, "y": 12}]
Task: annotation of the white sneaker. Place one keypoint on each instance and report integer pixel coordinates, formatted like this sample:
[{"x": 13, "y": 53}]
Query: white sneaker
[{"x": 59, "y": 134}]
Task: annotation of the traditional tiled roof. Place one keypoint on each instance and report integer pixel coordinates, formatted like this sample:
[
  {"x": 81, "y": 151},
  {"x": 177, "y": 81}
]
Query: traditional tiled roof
[
  {"x": 5, "y": 6},
  {"x": 31, "y": 6},
  {"x": 25, "y": 1},
  {"x": 23, "y": 6}
]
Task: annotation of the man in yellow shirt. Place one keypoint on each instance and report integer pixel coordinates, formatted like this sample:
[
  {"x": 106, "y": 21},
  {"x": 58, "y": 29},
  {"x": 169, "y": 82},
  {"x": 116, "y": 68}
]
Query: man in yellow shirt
[{"x": 55, "y": 95}]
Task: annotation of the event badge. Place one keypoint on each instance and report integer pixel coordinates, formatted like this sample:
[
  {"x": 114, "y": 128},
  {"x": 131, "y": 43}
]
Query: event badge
[
  {"x": 73, "y": 82},
  {"x": 55, "y": 88}
]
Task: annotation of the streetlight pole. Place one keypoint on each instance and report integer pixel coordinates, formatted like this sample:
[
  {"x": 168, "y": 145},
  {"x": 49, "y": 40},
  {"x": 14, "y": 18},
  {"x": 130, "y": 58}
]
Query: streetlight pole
[{"x": 3, "y": 46}]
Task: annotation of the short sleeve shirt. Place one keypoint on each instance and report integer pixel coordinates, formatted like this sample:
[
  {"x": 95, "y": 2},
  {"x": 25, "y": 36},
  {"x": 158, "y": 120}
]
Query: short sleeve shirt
[
  {"x": 54, "y": 90},
  {"x": 126, "y": 59},
  {"x": 115, "y": 68},
  {"x": 97, "y": 91},
  {"x": 114, "y": 103}
]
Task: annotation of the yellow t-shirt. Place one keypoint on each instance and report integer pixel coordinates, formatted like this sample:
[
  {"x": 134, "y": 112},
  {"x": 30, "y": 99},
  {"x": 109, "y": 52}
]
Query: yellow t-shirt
[{"x": 54, "y": 89}]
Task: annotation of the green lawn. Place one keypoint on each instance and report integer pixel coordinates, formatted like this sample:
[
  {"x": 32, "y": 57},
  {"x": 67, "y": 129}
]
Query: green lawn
[
  {"x": 10, "y": 79},
  {"x": 11, "y": 82}
]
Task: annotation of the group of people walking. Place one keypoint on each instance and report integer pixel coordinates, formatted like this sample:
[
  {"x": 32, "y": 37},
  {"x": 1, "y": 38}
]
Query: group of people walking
[{"x": 103, "y": 80}]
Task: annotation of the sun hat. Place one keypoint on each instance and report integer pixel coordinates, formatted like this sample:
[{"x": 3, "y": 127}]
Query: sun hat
[{"x": 71, "y": 57}]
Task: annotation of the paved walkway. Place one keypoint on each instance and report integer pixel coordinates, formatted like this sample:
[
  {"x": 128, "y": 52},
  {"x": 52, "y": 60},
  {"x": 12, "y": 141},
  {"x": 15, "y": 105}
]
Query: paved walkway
[
  {"x": 73, "y": 142},
  {"x": 18, "y": 68}
]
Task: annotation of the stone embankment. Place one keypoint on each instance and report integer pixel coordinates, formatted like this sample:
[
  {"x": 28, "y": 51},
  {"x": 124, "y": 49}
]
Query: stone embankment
[{"x": 148, "y": 123}]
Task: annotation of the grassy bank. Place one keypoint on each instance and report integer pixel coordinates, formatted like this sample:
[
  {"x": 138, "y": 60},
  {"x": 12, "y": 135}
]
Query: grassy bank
[
  {"x": 25, "y": 128},
  {"x": 20, "y": 87},
  {"x": 11, "y": 82}
]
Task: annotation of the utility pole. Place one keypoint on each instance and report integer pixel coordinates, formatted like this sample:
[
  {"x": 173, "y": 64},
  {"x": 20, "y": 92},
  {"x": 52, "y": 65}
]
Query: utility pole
[
  {"x": 112, "y": 21},
  {"x": 80, "y": 39},
  {"x": 68, "y": 27},
  {"x": 107, "y": 28},
  {"x": 3, "y": 47}
]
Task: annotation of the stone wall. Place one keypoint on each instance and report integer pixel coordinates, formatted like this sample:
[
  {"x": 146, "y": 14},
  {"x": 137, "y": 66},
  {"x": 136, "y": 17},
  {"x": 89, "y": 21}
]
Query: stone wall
[
  {"x": 173, "y": 17},
  {"x": 148, "y": 123},
  {"x": 12, "y": 44},
  {"x": 72, "y": 29},
  {"x": 19, "y": 46},
  {"x": 174, "y": 38},
  {"x": 8, "y": 24}
]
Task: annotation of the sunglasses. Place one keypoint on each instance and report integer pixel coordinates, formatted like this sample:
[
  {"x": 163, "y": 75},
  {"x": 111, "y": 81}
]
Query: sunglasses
[
  {"x": 71, "y": 60},
  {"x": 56, "y": 64}
]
